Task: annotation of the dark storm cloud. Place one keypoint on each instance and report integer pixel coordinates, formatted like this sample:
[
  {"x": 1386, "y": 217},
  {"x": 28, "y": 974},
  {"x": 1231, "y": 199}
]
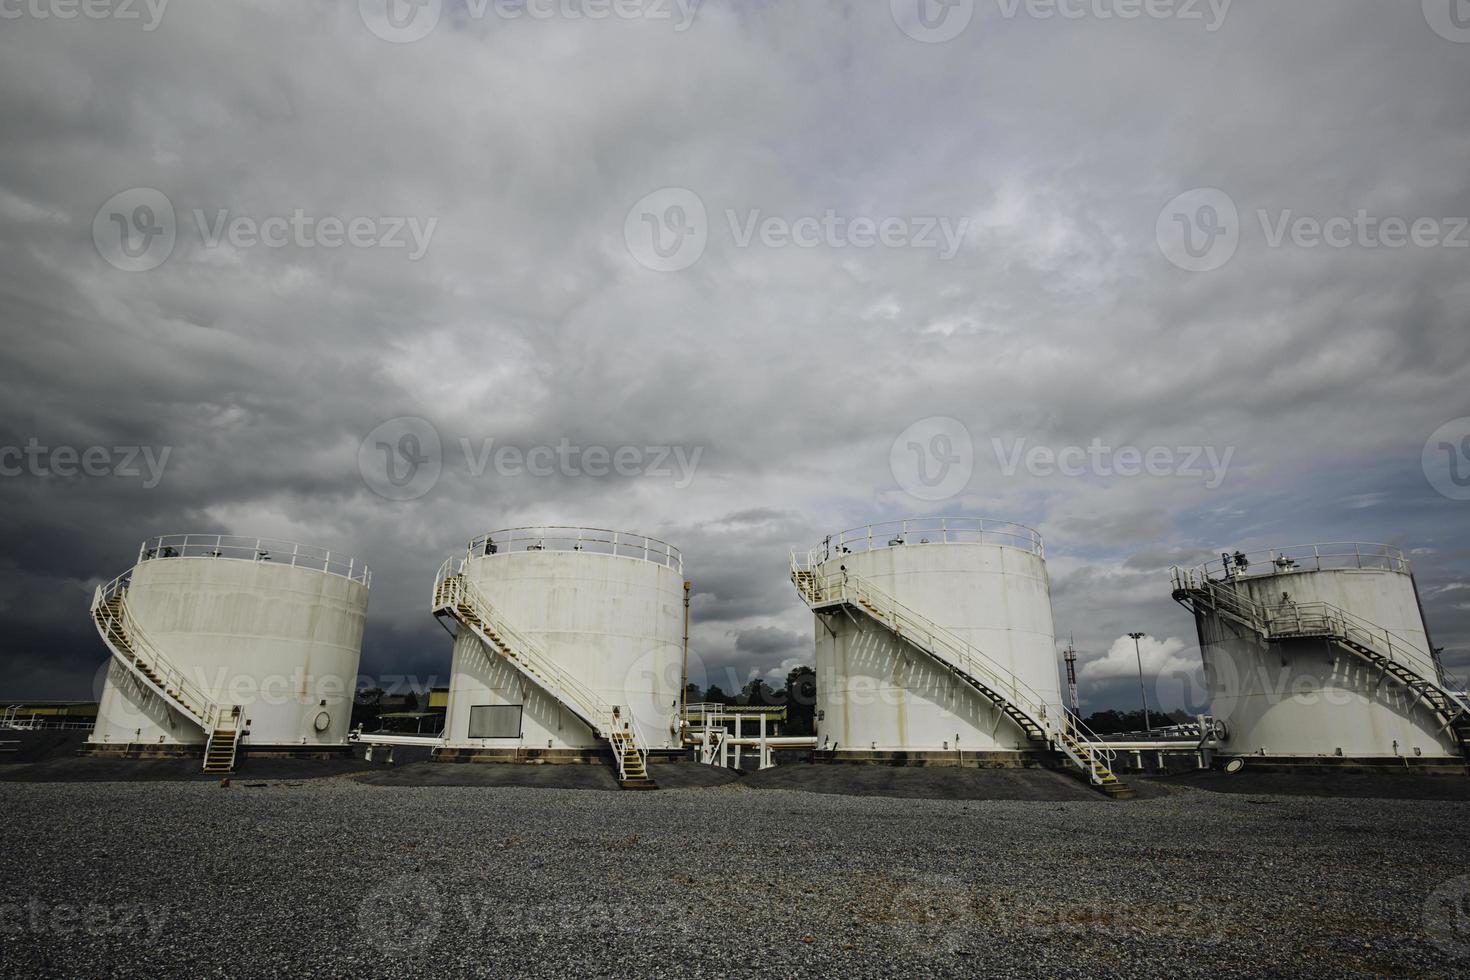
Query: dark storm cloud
[
  {"x": 791, "y": 370},
  {"x": 765, "y": 640}
]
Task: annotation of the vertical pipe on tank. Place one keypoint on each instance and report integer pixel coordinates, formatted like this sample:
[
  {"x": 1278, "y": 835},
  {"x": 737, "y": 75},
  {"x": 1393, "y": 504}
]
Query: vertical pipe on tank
[{"x": 684, "y": 672}]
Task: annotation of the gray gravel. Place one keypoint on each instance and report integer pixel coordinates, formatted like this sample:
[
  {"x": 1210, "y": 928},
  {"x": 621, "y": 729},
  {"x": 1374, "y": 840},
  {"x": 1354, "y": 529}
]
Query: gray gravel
[{"x": 335, "y": 877}]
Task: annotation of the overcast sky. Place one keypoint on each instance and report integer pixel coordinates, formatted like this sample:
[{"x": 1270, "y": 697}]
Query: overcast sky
[{"x": 846, "y": 262}]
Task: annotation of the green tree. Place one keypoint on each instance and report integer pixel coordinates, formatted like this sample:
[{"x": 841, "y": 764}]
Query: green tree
[
  {"x": 800, "y": 697},
  {"x": 367, "y": 704},
  {"x": 756, "y": 692}
]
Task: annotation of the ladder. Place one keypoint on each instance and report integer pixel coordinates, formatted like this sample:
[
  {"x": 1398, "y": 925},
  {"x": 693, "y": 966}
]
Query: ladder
[
  {"x": 632, "y": 764},
  {"x": 1082, "y": 749},
  {"x": 1387, "y": 652},
  {"x": 219, "y": 751},
  {"x": 130, "y": 645},
  {"x": 457, "y": 598}
]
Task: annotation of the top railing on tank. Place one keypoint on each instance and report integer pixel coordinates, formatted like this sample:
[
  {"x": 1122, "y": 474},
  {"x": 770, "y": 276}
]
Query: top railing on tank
[
  {"x": 1304, "y": 558},
  {"x": 928, "y": 530},
  {"x": 595, "y": 540},
  {"x": 236, "y": 548}
]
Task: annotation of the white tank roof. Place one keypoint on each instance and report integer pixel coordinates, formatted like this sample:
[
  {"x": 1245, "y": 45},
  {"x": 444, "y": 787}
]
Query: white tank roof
[
  {"x": 593, "y": 540},
  {"x": 1305, "y": 558},
  {"x": 930, "y": 530},
  {"x": 232, "y": 547}
]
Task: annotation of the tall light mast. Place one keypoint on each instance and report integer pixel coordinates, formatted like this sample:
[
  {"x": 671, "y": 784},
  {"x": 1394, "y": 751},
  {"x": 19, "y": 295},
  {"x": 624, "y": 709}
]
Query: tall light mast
[{"x": 1070, "y": 654}]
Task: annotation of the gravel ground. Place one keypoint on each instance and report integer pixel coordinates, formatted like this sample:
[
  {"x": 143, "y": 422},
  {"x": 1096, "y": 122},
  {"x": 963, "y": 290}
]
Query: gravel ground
[{"x": 336, "y": 877}]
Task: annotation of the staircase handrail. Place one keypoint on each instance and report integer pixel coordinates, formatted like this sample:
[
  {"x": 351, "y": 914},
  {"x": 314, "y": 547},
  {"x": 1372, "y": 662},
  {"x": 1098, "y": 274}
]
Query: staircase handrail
[
  {"x": 1319, "y": 617},
  {"x": 204, "y": 709},
  {"x": 963, "y": 655},
  {"x": 1090, "y": 738},
  {"x": 961, "y": 652},
  {"x": 565, "y": 686},
  {"x": 1265, "y": 616}
]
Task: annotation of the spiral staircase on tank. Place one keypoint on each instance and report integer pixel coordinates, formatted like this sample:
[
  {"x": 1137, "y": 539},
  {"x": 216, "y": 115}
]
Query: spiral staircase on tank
[
  {"x": 1082, "y": 750},
  {"x": 1380, "y": 648},
  {"x": 130, "y": 645},
  {"x": 457, "y": 598}
]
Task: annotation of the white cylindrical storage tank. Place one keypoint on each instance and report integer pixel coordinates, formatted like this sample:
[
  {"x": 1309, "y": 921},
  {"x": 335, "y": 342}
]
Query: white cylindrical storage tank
[
  {"x": 1313, "y": 696},
  {"x": 607, "y": 606},
  {"x": 983, "y": 582},
  {"x": 271, "y": 626}
]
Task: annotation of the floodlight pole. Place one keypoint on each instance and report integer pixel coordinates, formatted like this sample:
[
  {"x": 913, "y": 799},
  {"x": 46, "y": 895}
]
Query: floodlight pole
[{"x": 1148, "y": 726}]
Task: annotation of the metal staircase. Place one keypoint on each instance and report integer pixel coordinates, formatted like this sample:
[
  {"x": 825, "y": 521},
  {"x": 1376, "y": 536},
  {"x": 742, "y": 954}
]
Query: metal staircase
[
  {"x": 129, "y": 643},
  {"x": 1002, "y": 688},
  {"x": 457, "y": 598},
  {"x": 1382, "y": 649}
]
